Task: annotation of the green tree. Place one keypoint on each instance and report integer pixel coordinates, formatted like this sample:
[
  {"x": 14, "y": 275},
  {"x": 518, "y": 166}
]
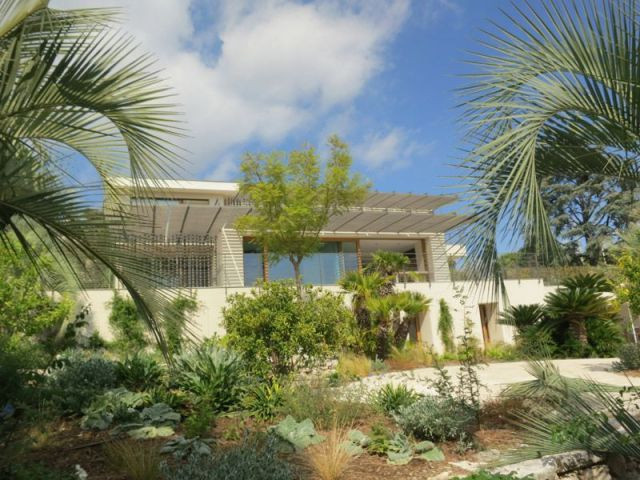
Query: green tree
[
  {"x": 293, "y": 199},
  {"x": 277, "y": 330},
  {"x": 388, "y": 264},
  {"x": 70, "y": 83},
  {"x": 628, "y": 288},
  {"x": 587, "y": 212},
  {"x": 554, "y": 95}
]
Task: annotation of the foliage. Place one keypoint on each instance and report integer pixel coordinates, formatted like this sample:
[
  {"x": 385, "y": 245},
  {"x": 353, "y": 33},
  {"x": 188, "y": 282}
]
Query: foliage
[
  {"x": 126, "y": 324},
  {"x": 411, "y": 355},
  {"x": 79, "y": 380},
  {"x": 26, "y": 304},
  {"x": 502, "y": 352},
  {"x": 213, "y": 374},
  {"x": 351, "y": 365},
  {"x": 136, "y": 460},
  {"x": 391, "y": 399},
  {"x": 379, "y": 440},
  {"x": 330, "y": 459},
  {"x": 139, "y": 372},
  {"x": 401, "y": 451},
  {"x": 437, "y": 419},
  {"x": 277, "y": 331},
  {"x": 581, "y": 415},
  {"x": 298, "y": 435},
  {"x": 445, "y": 326},
  {"x": 199, "y": 423},
  {"x": 253, "y": 458},
  {"x": 485, "y": 475},
  {"x": 325, "y": 405},
  {"x": 468, "y": 386},
  {"x": 20, "y": 364},
  {"x": 178, "y": 314},
  {"x": 265, "y": 399},
  {"x": 537, "y": 341},
  {"x": 117, "y": 405},
  {"x": 292, "y": 199},
  {"x": 629, "y": 355},
  {"x": 586, "y": 212},
  {"x": 553, "y": 124},
  {"x": 523, "y": 316},
  {"x": 67, "y": 69},
  {"x": 182, "y": 448},
  {"x": 628, "y": 288},
  {"x": 31, "y": 470}
]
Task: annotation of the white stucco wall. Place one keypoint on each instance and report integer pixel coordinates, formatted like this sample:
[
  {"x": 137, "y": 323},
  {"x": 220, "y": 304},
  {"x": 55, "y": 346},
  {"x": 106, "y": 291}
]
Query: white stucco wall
[{"x": 208, "y": 320}]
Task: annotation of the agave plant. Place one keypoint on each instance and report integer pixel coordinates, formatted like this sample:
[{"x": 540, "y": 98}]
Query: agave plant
[
  {"x": 554, "y": 93},
  {"x": 71, "y": 84}
]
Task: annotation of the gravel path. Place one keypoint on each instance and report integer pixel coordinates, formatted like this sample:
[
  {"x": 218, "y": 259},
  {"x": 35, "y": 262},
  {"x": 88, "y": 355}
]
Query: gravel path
[{"x": 496, "y": 376}]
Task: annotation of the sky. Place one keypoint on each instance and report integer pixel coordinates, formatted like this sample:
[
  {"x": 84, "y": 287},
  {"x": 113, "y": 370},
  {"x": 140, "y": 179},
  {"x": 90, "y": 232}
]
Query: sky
[{"x": 263, "y": 75}]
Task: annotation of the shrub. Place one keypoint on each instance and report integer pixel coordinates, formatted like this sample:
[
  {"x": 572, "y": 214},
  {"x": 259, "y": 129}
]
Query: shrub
[
  {"x": 390, "y": 399},
  {"x": 213, "y": 374},
  {"x": 629, "y": 355},
  {"x": 20, "y": 361},
  {"x": 252, "y": 459},
  {"x": 329, "y": 460},
  {"x": 31, "y": 471},
  {"x": 139, "y": 372},
  {"x": 134, "y": 459},
  {"x": 411, "y": 355},
  {"x": 325, "y": 405},
  {"x": 126, "y": 324},
  {"x": 436, "y": 419},
  {"x": 80, "y": 380},
  {"x": 502, "y": 352},
  {"x": 178, "y": 314},
  {"x": 445, "y": 326},
  {"x": 351, "y": 365},
  {"x": 199, "y": 423},
  {"x": 605, "y": 337},
  {"x": 264, "y": 400},
  {"x": 278, "y": 331},
  {"x": 536, "y": 341}
]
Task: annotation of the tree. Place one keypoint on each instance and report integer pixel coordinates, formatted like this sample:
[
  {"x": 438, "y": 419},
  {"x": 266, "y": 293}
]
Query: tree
[
  {"x": 293, "y": 199},
  {"x": 412, "y": 304},
  {"x": 554, "y": 96},
  {"x": 71, "y": 84},
  {"x": 388, "y": 264},
  {"x": 587, "y": 212}
]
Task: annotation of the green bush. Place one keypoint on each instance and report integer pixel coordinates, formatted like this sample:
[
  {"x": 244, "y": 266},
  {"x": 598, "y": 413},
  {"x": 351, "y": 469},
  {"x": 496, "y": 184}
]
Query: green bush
[
  {"x": 605, "y": 337},
  {"x": 20, "y": 363},
  {"x": 178, "y": 314},
  {"x": 32, "y": 471},
  {"x": 436, "y": 419},
  {"x": 139, "y": 372},
  {"x": 536, "y": 341},
  {"x": 502, "y": 352},
  {"x": 325, "y": 405},
  {"x": 253, "y": 459},
  {"x": 212, "y": 374},
  {"x": 391, "y": 398},
  {"x": 199, "y": 423},
  {"x": 278, "y": 331},
  {"x": 629, "y": 355},
  {"x": 80, "y": 380},
  {"x": 126, "y": 324},
  {"x": 264, "y": 399}
]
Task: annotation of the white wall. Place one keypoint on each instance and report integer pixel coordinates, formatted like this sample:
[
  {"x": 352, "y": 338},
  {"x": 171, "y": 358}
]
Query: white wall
[{"x": 208, "y": 320}]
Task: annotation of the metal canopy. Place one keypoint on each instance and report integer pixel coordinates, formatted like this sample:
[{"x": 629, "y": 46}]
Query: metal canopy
[
  {"x": 407, "y": 201},
  {"x": 208, "y": 220}
]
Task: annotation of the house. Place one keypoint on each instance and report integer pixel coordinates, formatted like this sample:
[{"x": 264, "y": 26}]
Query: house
[{"x": 187, "y": 233}]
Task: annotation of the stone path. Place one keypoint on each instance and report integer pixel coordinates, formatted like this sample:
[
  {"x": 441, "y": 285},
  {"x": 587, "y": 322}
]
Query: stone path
[{"x": 496, "y": 376}]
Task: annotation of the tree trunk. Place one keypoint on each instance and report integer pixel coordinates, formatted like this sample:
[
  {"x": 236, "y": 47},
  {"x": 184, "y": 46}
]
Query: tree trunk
[
  {"x": 578, "y": 329},
  {"x": 382, "y": 339},
  {"x": 400, "y": 335},
  {"x": 298, "y": 275}
]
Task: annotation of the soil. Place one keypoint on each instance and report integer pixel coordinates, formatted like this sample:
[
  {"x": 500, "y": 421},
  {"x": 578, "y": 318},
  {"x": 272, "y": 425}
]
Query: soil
[
  {"x": 66, "y": 445},
  {"x": 629, "y": 373}
]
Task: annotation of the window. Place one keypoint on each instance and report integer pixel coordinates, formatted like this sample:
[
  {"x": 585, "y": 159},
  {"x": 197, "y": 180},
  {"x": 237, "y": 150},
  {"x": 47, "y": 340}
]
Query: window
[{"x": 325, "y": 267}]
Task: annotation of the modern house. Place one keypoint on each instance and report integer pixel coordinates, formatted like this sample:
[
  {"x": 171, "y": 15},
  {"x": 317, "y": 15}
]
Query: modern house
[{"x": 187, "y": 233}]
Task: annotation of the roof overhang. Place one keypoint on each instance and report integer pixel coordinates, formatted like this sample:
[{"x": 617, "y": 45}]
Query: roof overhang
[{"x": 169, "y": 220}]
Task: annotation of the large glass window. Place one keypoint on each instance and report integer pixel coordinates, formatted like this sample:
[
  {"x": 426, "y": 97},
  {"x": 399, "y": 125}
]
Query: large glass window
[{"x": 324, "y": 267}]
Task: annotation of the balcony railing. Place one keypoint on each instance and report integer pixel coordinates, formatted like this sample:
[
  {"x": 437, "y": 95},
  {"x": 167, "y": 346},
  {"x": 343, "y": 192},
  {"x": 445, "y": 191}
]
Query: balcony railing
[{"x": 549, "y": 275}]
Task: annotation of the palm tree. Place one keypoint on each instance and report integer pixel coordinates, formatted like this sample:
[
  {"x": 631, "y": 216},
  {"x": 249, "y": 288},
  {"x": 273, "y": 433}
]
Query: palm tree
[
  {"x": 69, "y": 83},
  {"x": 388, "y": 264},
  {"x": 383, "y": 311},
  {"x": 522, "y": 316},
  {"x": 555, "y": 93},
  {"x": 412, "y": 304},
  {"x": 362, "y": 287}
]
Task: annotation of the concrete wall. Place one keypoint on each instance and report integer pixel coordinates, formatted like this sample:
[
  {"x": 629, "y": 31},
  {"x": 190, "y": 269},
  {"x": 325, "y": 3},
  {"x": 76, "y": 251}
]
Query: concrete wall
[{"x": 208, "y": 320}]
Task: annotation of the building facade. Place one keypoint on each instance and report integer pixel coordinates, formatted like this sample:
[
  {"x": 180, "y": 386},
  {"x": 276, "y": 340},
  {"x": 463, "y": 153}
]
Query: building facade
[{"x": 186, "y": 232}]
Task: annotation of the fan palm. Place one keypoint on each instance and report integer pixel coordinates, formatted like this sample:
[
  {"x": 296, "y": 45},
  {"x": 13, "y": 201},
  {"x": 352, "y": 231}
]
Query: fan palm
[
  {"x": 363, "y": 287},
  {"x": 383, "y": 310},
  {"x": 388, "y": 264},
  {"x": 411, "y": 304},
  {"x": 68, "y": 83},
  {"x": 555, "y": 93},
  {"x": 522, "y": 316}
]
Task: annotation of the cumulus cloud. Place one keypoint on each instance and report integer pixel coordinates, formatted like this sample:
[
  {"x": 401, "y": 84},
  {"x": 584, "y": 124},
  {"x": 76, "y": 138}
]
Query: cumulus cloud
[
  {"x": 254, "y": 72},
  {"x": 392, "y": 149}
]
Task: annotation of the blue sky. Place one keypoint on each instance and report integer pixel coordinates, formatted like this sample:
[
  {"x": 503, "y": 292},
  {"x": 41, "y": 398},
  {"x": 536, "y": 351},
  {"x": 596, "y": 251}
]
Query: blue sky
[{"x": 261, "y": 75}]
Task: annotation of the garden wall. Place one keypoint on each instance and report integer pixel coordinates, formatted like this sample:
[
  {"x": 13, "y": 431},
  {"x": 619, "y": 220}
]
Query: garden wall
[{"x": 208, "y": 320}]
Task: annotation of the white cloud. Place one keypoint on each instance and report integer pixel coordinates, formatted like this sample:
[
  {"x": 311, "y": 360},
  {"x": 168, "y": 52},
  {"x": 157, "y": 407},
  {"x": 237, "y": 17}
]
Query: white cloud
[
  {"x": 262, "y": 69},
  {"x": 391, "y": 150}
]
